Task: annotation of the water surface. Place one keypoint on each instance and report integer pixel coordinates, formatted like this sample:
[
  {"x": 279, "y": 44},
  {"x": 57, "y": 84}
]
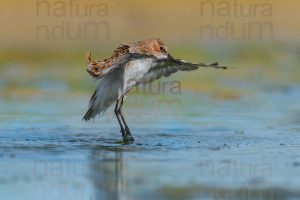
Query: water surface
[{"x": 247, "y": 148}]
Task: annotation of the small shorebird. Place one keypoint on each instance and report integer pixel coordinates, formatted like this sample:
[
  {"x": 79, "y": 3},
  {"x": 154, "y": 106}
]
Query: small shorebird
[{"x": 130, "y": 65}]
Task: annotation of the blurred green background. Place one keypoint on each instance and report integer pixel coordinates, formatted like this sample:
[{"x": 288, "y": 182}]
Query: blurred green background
[{"x": 43, "y": 42}]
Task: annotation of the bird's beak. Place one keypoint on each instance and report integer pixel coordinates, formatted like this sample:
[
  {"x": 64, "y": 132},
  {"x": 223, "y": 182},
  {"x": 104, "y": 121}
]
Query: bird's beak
[{"x": 173, "y": 59}]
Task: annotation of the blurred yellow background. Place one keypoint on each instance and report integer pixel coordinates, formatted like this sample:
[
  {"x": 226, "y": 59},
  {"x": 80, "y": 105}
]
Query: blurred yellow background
[
  {"x": 178, "y": 21},
  {"x": 48, "y": 39}
]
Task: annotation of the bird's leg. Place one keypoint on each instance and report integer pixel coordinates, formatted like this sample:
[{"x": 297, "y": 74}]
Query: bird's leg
[
  {"x": 117, "y": 112},
  {"x": 124, "y": 122},
  {"x": 122, "y": 117},
  {"x": 125, "y": 131}
]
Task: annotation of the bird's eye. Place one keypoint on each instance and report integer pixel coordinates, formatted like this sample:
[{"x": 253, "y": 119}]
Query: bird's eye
[{"x": 162, "y": 48}]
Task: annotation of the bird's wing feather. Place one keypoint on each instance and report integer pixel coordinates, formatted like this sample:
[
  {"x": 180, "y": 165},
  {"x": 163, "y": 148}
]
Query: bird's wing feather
[
  {"x": 121, "y": 62},
  {"x": 166, "y": 67},
  {"x": 99, "y": 69}
]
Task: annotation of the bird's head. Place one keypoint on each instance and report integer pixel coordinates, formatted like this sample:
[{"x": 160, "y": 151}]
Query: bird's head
[{"x": 151, "y": 47}]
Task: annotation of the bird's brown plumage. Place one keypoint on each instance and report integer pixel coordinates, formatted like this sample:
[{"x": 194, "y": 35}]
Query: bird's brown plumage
[
  {"x": 95, "y": 68},
  {"x": 146, "y": 47}
]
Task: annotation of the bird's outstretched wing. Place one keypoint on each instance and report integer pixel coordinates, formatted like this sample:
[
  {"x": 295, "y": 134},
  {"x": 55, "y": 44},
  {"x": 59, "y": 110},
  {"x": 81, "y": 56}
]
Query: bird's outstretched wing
[
  {"x": 162, "y": 67},
  {"x": 168, "y": 66}
]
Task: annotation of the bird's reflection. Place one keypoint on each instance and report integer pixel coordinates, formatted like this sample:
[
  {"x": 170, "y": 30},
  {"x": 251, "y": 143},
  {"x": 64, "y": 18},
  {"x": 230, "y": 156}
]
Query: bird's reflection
[{"x": 107, "y": 174}]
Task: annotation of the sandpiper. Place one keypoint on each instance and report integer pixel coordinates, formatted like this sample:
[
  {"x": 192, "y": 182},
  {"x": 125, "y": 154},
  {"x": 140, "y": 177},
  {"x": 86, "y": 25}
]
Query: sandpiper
[{"x": 130, "y": 65}]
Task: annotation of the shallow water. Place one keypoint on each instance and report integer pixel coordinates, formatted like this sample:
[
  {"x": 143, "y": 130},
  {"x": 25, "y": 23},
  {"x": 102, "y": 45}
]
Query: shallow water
[{"x": 246, "y": 148}]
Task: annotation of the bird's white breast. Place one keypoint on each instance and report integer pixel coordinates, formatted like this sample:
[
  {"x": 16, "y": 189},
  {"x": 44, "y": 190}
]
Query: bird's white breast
[{"x": 135, "y": 70}]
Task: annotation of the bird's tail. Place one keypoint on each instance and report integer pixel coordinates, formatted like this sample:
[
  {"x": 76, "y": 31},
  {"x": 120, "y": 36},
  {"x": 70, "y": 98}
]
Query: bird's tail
[
  {"x": 104, "y": 95},
  {"x": 91, "y": 112},
  {"x": 87, "y": 115}
]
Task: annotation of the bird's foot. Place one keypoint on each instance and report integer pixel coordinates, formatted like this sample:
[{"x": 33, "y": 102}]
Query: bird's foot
[{"x": 127, "y": 137}]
